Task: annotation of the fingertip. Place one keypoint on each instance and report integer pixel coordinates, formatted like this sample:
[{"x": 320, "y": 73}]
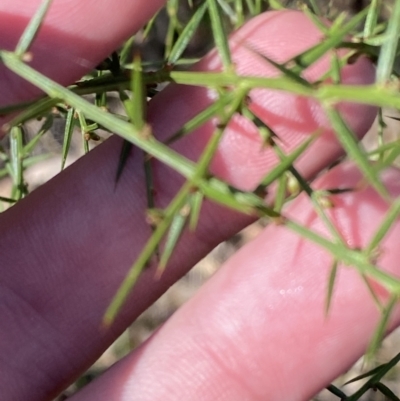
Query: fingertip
[
  {"x": 282, "y": 36},
  {"x": 258, "y": 329},
  {"x": 74, "y": 37},
  {"x": 242, "y": 157}
]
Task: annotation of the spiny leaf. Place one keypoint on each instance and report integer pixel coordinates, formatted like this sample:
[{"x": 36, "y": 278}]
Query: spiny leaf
[
  {"x": 124, "y": 154},
  {"x": 380, "y": 370},
  {"x": 135, "y": 109},
  {"x": 380, "y": 331},
  {"x": 281, "y": 192},
  {"x": 389, "y": 47},
  {"x": 186, "y": 35},
  {"x": 372, "y": 18},
  {"x": 16, "y": 156},
  {"x": 347, "y": 256},
  {"x": 84, "y": 131},
  {"x": 202, "y": 117},
  {"x": 174, "y": 233},
  {"x": 286, "y": 161},
  {"x": 336, "y": 391},
  {"x": 8, "y": 200},
  {"x": 334, "y": 38},
  {"x": 386, "y": 391},
  {"x": 27, "y": 162},
  {"x": 228, "y": 11},
  {"x": 378, "y": 374},
  {"x": 220, "y": 37},
  {"x": 69, "y": 128},
  {"x": 32, "y": 29},
  {"x": 282, "y": 68},
  {"x": 196, "y": 201},
  {"x": 331, "y": 285},
  {"x": 349, "y": 143},
  {"x": 387, "y": 223},
  {"x": 34, "y": 141}
]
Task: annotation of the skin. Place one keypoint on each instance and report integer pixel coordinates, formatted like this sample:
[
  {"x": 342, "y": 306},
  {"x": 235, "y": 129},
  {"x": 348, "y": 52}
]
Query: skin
[{"x": 257, "y": 330}]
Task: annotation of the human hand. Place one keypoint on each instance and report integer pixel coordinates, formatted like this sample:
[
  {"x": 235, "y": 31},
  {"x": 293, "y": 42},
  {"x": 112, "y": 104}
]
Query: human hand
[{"x": 257, "y": 330}]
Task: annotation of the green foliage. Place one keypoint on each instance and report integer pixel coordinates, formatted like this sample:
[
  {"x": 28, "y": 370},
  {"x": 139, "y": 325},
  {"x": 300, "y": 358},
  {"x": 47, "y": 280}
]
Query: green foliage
[{"x": 133, "y": 82}]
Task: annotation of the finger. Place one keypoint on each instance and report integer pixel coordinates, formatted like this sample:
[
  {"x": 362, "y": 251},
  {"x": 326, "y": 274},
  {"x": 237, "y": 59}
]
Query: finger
[
  {"x": 78, "y": 237},
  {"x": 257, "y": 330},
  {"x": 293, "y": 119},
  {"x": 76, "y": 36},
  {"x": 93, "y": 233}
]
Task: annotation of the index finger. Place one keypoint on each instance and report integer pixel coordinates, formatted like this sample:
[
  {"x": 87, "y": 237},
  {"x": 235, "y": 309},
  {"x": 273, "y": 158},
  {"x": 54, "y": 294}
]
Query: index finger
[{"x": 75, "y": 37}]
